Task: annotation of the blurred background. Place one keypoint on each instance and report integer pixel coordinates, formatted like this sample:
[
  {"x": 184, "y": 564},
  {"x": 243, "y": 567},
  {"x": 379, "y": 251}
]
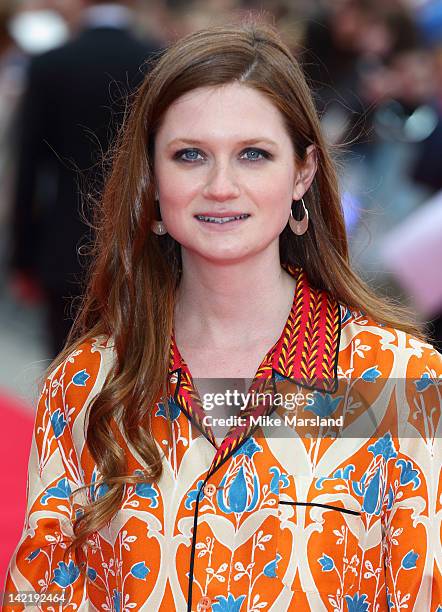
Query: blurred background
[{"x": 67, "y": 68}]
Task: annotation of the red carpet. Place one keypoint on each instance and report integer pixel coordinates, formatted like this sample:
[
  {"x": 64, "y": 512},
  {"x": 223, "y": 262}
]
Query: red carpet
[{"x": 17, "y": 422}]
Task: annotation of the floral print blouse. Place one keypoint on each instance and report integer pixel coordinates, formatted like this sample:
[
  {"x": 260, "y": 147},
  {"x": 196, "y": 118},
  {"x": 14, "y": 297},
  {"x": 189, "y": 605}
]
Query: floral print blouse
[{"x": 270, "y": 519}]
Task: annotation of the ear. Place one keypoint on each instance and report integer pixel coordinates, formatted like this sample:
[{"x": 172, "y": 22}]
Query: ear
[{"x": 305, "y": 173}]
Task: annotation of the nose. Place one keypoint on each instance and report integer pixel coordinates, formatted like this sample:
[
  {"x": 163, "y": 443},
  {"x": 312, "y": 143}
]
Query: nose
[{"x": 221, "y": 184}]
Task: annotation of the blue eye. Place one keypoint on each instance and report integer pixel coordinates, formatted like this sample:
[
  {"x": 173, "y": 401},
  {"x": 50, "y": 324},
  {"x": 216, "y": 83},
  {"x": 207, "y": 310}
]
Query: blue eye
[
  {"x": 256, "y": 153},
  {"x": 191, "y": 155}
]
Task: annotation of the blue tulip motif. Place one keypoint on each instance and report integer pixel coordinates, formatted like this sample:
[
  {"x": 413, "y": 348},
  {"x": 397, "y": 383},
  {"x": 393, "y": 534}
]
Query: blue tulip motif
[
  {"x": 228, "y": 604},
  {"x": 139, "y": 570},
  {"x": 174, "y": 410},
  {"x": 384, "y": 447},
  {"x": 146, "y": 490},
  {"x": 271, "y": 567},
  {"x": 324, "y": 404},
  {"x": 371, "y": 375},
  {"x": 239, "y": 489},
  {"x": 373, "y": 495},
  {"x": 372, "y": 485},
  {"x": 371, "y": 488},
  {"x": 62, "y": 490},
  {"x": 409, "y": 561},
  {"x": 327, "y": 564},
  {"x": 424, "y": 382},
  {"x": 408, "y": 474},
  {"x": 58, "y": 422},
  {"x": 192, "y": 495},
  {"x": 357, "y": 603},
  {"x": 65, "y": 575},
  {"x": 249, "y": 448},
  {"x": 80, "y": 378}
]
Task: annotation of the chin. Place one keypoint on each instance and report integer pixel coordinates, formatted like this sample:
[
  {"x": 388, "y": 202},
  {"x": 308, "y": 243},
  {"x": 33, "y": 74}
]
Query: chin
[{"x": 227, "y": 257}]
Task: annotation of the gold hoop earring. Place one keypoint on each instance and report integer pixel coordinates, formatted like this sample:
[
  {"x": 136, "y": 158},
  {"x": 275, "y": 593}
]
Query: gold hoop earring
[
  {"x": 158, "y": 227},
  {"x": 299, "y": 227}
]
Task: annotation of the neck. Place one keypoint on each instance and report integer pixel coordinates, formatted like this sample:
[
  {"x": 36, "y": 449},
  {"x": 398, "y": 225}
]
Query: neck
[{"x": 231, "y": 305}]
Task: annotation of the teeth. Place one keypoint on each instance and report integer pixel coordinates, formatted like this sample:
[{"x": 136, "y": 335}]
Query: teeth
[{"x": 221, "y": 219}]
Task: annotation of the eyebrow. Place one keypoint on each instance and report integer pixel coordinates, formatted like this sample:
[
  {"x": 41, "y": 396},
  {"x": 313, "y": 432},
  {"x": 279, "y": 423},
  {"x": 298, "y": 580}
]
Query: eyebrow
[{"x": 249, "y": 141}]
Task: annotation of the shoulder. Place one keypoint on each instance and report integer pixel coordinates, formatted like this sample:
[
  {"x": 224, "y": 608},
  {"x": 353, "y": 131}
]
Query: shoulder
[
  {"x": 72, "y": 384},
  {"x": 87, "y": 354},
  {"x": 366, "y": 343},
  {"x": 395, "y": 374}
]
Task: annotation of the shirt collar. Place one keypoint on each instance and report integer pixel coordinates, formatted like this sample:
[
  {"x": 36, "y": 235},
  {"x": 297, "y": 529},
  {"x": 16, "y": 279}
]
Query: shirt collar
[
  {"x": 307, "y": 350},
  {"x": 306, "y": 353}
]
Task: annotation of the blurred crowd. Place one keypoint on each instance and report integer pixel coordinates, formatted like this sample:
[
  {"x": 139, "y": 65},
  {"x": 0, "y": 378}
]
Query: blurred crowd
[{"x": 67, "y": 67}]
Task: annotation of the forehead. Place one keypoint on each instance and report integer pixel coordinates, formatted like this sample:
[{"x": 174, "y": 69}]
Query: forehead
[{"x": 229, "y": 110}]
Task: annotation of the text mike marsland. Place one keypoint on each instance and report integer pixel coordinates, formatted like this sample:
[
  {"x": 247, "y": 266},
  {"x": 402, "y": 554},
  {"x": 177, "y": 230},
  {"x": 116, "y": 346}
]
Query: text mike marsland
[{"x": 289, "y": 420}]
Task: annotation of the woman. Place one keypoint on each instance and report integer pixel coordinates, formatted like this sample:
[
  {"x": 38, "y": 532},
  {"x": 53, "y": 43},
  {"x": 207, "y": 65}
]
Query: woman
[{"x": 221, "y": 236}]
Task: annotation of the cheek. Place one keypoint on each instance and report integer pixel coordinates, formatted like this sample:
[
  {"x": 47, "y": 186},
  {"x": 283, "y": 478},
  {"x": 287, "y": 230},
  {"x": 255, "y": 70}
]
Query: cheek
[
  {"x": 275, "y": 196},
  {"x": 175, "y": 204},
  {"x": 277, "y": 202},
  {"x": 274, "y": 181},
  {"x": 175, "y": 196},
  {"x": 173, "y": 208},
  {"x": 175, "y": 187}
]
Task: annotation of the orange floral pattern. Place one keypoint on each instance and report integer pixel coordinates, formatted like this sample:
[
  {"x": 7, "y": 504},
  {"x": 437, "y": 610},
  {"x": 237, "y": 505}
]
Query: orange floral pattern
[{"x": 319, "y": 521}]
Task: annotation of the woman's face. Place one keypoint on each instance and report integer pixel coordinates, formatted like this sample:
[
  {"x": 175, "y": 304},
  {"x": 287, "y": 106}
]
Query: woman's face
[{"x": 223, "y": 152}]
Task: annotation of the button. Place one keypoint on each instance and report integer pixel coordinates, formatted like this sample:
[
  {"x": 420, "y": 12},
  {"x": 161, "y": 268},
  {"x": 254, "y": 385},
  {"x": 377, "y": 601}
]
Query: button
[
  {"x": 209, "y": 490},
  {"x": 205, "y": 603}
]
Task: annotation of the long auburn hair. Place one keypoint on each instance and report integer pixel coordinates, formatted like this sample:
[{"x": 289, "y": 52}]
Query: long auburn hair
[{"x": 135, "y": 273}]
